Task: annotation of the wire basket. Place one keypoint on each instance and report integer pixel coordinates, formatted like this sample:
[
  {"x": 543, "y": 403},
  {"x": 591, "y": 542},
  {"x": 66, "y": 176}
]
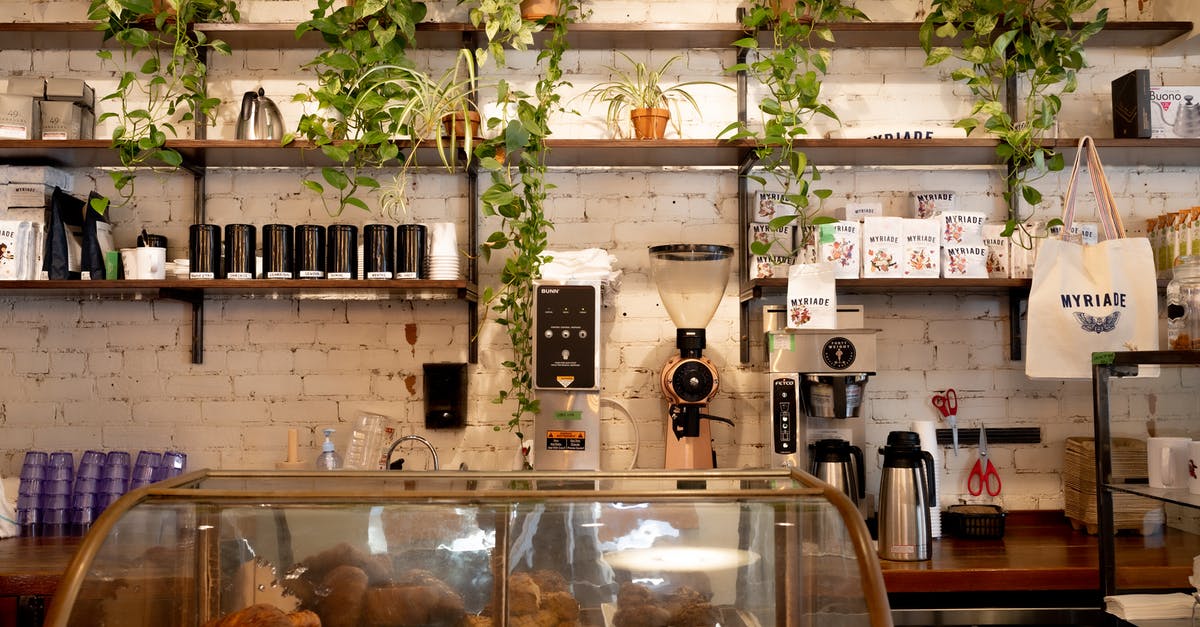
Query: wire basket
[{"x": 981, "y": 522}]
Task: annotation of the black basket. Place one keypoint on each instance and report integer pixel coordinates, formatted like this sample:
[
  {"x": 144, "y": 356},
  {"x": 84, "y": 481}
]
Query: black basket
[{"x": 981, "y": 522}]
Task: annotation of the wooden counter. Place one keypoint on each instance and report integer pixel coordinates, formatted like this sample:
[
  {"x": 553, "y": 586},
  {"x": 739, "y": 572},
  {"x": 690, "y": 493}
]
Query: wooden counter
[
  {"x": 1040, "y": 551},
  {"x": 33, "y": 566}
]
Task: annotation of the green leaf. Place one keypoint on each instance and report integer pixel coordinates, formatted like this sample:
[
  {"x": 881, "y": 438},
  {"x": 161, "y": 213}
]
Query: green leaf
[
  {"x": 1031, "y": 195},
  {"x": 313, "y": 185},
  {"x": 335, "y": 177}
]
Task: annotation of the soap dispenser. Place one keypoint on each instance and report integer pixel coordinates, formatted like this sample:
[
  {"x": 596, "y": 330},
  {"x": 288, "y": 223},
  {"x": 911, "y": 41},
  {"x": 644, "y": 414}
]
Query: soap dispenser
[{"x": 328, "y": 459}]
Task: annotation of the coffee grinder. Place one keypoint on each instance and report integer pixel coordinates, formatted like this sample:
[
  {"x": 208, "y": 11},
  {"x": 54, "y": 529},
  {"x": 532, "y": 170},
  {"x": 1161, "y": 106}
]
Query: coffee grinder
[
  {"x": 691, "y": 280},
  {"x": 818, "y": 378}
]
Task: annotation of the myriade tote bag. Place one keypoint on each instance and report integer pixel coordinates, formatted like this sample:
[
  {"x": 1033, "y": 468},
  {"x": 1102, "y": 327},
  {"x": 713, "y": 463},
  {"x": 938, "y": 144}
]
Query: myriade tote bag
[{"x": 1090, "y": 298}]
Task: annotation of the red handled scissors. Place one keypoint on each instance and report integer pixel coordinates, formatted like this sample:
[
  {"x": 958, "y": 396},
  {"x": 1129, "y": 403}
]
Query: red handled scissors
[
  {"x": 984, "y": 474},
  {"x": 947, "y": 403}
]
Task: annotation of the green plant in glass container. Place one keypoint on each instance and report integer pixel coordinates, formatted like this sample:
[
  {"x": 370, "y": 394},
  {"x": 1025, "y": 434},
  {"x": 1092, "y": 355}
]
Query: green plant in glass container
[
  {"x": 790, "y": 70},
  {"x": 162, "y": 78},
  {"x": 1021, "y": 55}
]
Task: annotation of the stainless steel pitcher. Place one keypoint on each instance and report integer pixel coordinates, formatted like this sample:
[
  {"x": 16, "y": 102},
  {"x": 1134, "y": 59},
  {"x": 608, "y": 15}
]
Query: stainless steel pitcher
[
  {"x": 1187, "y": 119},
  {"x": 259, "y": 117},
  {"x": 905, "y": 494},
  {"x": 840, "y": 464}
]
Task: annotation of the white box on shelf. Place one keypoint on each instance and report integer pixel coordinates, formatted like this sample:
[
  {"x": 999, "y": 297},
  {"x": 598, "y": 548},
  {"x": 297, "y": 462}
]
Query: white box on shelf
[{"x": 1172, "y": 111}]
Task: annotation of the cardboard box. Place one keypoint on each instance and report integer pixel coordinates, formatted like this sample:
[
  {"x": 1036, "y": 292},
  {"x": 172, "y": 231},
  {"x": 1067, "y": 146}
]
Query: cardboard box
[
  {"x": 1131, "y": 105},
  {"x": 1175, "y": 112},
  {"x": 32, "y": 86},
  {"x": 19, "y": 117},
  {"x": 71, "y": 90},
  {"x": 31, "y": 186},
  {"x": 61, "y": 120}
]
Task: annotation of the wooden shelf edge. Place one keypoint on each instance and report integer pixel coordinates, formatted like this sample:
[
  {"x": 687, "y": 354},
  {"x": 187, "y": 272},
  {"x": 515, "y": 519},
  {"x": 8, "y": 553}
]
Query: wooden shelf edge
[
  {"x": 757, "y": 287},
  {"x": 462, "y": 290}
]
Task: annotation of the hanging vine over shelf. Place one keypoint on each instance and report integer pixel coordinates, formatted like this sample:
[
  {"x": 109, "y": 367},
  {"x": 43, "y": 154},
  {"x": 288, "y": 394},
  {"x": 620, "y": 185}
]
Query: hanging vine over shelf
[{"x": 1007, "y": 46}]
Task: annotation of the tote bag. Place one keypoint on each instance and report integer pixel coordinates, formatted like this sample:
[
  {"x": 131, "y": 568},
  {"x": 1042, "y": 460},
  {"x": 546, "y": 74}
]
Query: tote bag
[{"x": 1088, "y": 298}]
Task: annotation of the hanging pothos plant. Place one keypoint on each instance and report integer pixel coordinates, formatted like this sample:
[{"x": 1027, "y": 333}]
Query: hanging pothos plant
[
  {"x": 364, "y": 77},
  {"x": 1033, "y": 46},
  {"x": 790, "y": 71},
  {"x": 169, "y": 85},
  {"x": 515, "y": 160}
]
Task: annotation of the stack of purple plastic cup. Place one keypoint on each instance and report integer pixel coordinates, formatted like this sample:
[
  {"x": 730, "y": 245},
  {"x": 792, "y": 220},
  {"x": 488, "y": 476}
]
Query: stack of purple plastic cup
[
  {"x": 56, "y": 494},
  {"x": 29, "y": 494},
  {"x": 173, "y": 464},
  {"x": 86, "y": 496},
  {"x": 148, "y": 463},
  {"x": 114, "y": 479}
]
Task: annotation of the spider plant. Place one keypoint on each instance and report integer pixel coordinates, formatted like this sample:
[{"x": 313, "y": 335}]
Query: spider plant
[{"x": 642, "y": 88}]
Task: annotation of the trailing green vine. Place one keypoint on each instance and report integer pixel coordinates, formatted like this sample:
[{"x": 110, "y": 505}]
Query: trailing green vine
[
  {"x": 1036, "y": 44},
  {"x": 790, "y": 70},
  {"x": 169, "y": 84},
  {"x": 515, "y": 160},
  {"x": 362, "y": 73}
]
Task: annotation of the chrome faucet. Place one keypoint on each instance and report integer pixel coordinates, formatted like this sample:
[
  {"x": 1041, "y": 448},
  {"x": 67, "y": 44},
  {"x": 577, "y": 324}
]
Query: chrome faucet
[{"x": 416, "y": 438}]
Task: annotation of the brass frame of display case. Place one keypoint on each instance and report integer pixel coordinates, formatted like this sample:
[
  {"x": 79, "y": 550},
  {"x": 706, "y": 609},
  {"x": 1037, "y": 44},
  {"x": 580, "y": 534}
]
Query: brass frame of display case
[{"x": 405, "y": 487}]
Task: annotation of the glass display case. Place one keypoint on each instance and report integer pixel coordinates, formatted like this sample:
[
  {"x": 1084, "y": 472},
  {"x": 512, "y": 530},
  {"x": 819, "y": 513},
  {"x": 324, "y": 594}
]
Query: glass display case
[{"x": 632, "y": 549}]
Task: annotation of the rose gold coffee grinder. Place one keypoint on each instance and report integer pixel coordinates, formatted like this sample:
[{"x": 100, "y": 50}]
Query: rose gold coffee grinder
[{"x": 691, "y": 280}]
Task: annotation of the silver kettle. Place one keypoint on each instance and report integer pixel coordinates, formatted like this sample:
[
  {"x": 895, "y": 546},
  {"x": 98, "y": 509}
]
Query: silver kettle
[
  {"x": 905, "y": 494},
  {"x": 259, "y": 118},
  {"x": 840, "y": 464},
  {"x": 1187, "y": 119}
]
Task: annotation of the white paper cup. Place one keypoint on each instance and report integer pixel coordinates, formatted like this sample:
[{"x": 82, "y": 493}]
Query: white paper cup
[
  {"x": 129, "y": 263},
  {"x": 151, "y": 262},
  {"x": 1167, "y": 462}
]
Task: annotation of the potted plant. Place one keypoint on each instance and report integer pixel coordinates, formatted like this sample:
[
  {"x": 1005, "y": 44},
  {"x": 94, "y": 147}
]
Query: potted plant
[
  {"x": 163, "y": 77},
  {"x": 354, "y": 125},
  {"x": 1037, "y": 44},
  {"x": 789, "y": 71},
  {"x": 507, "y": 23},
  {"x": 418, "y": 106},
  {"x": 640, "y": 95},
  {"x": 514, "y": 159}
]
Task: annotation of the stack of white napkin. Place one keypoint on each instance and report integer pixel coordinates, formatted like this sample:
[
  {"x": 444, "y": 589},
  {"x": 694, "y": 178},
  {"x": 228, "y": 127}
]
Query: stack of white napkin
[
  {"x": 8, "y": 514},
  {"x": 582, "y": 265},
  {"x": 1139, "y": 607}
]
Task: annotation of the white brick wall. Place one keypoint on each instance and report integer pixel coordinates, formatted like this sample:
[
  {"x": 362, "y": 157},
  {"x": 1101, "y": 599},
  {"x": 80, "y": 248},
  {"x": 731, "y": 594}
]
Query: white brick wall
[{"x": 78, "y": 373}]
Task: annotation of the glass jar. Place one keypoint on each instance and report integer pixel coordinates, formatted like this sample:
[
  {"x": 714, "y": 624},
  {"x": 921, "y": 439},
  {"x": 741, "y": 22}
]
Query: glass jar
[{"x": 1183, "y": 305}]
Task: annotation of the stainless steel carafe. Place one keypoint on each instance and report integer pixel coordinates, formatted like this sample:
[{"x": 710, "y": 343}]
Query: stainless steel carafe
[
  {"x": 840, "y": 464},
  {"x": 905, "y": 494},
  {"x": 1187, "y": 119},
  {"x": 259, "y": 117}
]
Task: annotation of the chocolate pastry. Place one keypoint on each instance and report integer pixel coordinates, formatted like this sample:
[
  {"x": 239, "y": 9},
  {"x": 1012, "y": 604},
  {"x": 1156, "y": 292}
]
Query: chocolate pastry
[{"x": 342, "y": 604}]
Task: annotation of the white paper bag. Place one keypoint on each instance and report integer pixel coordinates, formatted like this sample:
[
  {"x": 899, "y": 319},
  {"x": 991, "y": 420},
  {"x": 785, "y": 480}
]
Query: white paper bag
[
  {"x": 883, "y": 247},
  {"x": 840, "y": 245},
  {"x": 922, "y": 248},
  {"x": 1090, "y": 298},
  {"x": 811, "y": 297}
]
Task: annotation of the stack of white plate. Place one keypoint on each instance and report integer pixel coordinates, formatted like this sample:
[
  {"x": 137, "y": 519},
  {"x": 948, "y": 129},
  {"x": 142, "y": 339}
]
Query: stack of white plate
[{"x": 443, "y": 267}]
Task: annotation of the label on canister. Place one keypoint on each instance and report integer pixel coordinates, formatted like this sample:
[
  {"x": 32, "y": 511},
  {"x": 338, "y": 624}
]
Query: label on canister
[
  {"x": 379, "y": 275},
  {"x": 201, "y": 275},
  {"x": 312, "y": 274},
  {"x": 279, "y": 275},
  {"x": 239, "y": 275},
  {"x": 339, "y": 275},
  {"x": 406, "y": 275}
]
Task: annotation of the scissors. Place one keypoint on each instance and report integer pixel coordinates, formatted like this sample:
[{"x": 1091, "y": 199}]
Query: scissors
[
  {"x": 947, "y": 403},
  {"x": 983, "y": 474}
]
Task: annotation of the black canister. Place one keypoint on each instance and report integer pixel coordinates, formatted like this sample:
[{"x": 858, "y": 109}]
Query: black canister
[
  {"x": 310, "y": 251},
  {"x": 278, "y": 258},
  {"x": 151, "y": 240},
  {"x": 341, "y": 260},
  {"x": 204, "y": 251},
  {"x": 410, "y": 251},
  {"x": 240, "y": 243},
  {"x": 379, "y": 251}
]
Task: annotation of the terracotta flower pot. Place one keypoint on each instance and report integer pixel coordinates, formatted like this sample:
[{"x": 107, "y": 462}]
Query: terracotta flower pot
[
  {"x": 455, "y": 125},
  {"x": 650, "y": 123},
  {"x": 789, "y": 6},
  {"x": 537, "y": 9}
]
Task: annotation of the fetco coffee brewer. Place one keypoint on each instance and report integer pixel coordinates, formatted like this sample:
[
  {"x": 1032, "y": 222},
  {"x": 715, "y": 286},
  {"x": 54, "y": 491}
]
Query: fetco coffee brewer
[
  {"x": 817, "y": 381},
  {"x": 691, "y": 280}
]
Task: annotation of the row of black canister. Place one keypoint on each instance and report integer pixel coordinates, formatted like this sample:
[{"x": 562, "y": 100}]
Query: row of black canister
[{"x": 307, "y": 251}]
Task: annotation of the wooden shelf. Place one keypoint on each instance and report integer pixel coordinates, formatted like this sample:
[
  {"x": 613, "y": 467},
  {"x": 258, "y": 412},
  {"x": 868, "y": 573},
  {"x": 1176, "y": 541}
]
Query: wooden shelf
[
  {"x": 586, "y": 35},
  {"x": 761, "y": 287},
  {"x": 328, "y": 289}
]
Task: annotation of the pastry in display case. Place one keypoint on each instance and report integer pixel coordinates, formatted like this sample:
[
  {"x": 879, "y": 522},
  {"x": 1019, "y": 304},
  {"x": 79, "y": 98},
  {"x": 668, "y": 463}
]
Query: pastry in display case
[{"x": 749, "y": 548}]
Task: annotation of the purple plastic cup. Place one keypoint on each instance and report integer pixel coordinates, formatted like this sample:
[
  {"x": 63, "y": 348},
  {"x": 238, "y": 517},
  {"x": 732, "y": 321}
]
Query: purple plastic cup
[
  {"x": 174, "y": 463},
  {"x": 30, "y": 486},
  {"x": 29, "y": 501},
  {"x": 56, "y": 521},
  {"x": 115, "y": 472},
  {"x": 90, "y": 470},
  {"x": 104, "y": 499},
  {"x": 85, "y": 485},
  {"x": 113, "y": 485},
  {"x": 92, "y": 456},
  {"x": 33, "y": 472},
  {"x": 56, "y": 487},
  {"x": 60, "y": 473},
  {"x": 147, "y": 463},
  {"x": 61, "y": 459},
  {"x": 82, "y": 519},
  {"x": 117, "y": 458},
  {"x": 36, "y": 458}
]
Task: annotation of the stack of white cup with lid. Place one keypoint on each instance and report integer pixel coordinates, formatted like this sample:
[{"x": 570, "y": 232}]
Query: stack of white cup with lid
[{"x": 443, "y": 252}]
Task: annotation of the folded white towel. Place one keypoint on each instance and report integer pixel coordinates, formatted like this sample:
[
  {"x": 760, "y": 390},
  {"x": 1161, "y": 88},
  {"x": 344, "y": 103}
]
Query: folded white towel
[
  {"x": 581, "y": 265},
  {"x": 1135, "y": 607},
  {"x": 8, "y": 515}
]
